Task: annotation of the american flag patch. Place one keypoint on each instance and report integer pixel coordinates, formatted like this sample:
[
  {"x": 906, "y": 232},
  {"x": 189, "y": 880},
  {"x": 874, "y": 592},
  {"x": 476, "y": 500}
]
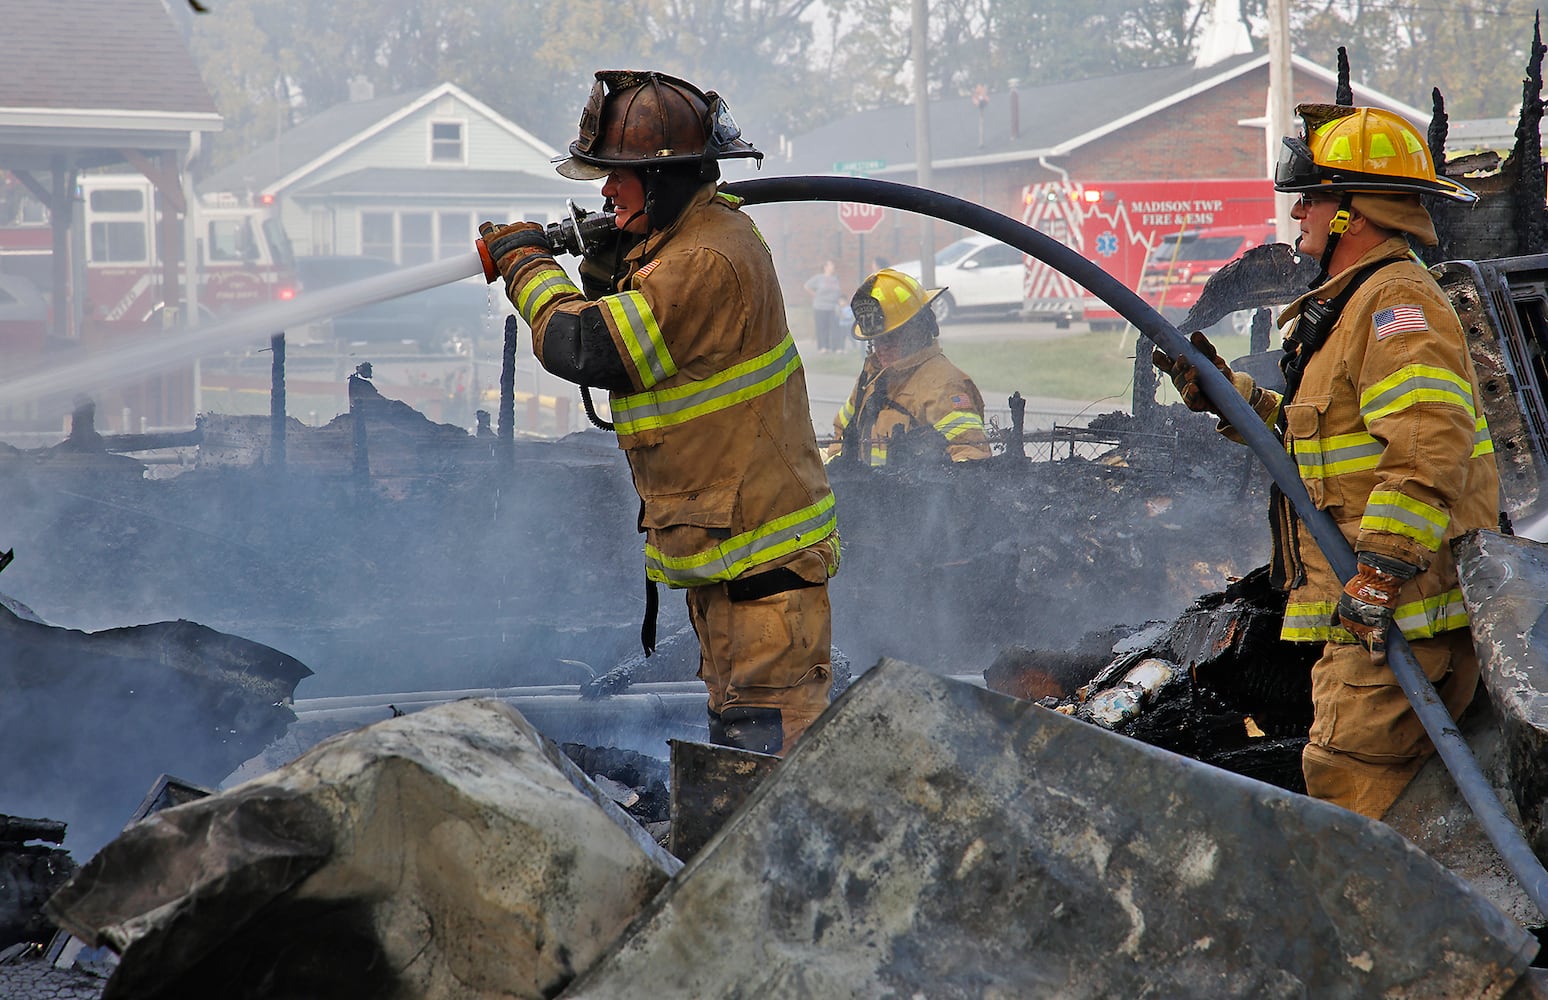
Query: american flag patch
[
  {"x": 1398, "y": 319},
  {"x": 643, "y": 272},
  {"x": 961, "y": 402}
]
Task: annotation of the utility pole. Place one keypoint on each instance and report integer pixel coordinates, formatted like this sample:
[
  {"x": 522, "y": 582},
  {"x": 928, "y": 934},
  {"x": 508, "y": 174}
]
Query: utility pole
[
  {"x": 1281, "y": 110},
  {"x": 920, "y": 39}
]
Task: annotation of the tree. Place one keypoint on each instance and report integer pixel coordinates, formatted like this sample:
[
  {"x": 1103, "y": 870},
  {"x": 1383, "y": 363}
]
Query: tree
[{"x": 1473, "y": 51}]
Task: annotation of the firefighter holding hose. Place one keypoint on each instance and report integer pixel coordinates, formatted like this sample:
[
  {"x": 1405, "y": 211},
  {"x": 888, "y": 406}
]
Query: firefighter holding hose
[
  {"x": 683, "y": 321},
  {"x": 910, "y": 402},
  {"x": 1382, "y": 414}
]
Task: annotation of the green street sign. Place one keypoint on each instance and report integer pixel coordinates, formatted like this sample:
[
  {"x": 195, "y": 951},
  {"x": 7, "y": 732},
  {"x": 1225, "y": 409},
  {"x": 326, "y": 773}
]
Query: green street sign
[{"x": 858, "y": 166}]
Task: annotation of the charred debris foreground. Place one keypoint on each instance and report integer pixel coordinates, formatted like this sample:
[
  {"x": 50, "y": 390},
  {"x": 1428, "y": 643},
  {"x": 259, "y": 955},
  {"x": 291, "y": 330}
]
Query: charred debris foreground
[{"x": 397, "y": 555}]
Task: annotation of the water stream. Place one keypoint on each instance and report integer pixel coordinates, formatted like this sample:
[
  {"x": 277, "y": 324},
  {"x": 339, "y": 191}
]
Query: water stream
[{"x": 115, "y": 365}]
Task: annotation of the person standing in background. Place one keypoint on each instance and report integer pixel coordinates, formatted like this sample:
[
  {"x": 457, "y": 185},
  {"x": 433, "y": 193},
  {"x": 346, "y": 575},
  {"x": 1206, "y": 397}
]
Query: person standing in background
[{"x": 827, "y": 295}]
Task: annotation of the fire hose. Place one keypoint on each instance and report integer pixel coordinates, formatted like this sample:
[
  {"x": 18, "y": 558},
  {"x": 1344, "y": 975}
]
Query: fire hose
[{"x": 1454, "y": 752}]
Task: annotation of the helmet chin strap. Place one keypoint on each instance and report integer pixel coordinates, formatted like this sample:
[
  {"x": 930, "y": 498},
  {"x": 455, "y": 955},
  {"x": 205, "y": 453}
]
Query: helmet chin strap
[{"x": 1337, "y": 227}]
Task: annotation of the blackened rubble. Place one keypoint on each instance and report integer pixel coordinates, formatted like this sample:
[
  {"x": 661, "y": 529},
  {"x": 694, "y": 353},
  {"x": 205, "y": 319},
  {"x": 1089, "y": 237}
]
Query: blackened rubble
[{"x": 90, "y": 719}]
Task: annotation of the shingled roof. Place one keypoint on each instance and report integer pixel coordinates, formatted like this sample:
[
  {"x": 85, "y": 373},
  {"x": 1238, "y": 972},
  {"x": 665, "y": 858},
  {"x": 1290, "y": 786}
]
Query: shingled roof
[
  {"x": 92, "y": 76},
  {"x": 1048, "y": 120}
]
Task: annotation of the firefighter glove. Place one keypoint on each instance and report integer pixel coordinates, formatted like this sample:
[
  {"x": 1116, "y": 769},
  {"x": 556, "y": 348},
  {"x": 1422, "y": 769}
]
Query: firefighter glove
[
  {"x": 506, "y": 247},
  {"x": 1185, "y": 377},
  {"x": 1365, "y": 607}
]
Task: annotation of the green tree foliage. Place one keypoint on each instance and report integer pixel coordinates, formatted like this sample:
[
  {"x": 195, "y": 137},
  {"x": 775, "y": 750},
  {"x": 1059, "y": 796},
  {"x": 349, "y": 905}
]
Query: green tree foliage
[
  {"x": 270, "y": 63},
  {"x": 786, "y": 66},
  {"x": 992, "y": 42},
  {"x": 1474, "y": 51}
]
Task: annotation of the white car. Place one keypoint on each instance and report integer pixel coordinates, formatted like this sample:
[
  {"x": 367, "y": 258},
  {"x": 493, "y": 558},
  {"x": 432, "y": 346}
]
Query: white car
[{"x": 980, "y": 275}]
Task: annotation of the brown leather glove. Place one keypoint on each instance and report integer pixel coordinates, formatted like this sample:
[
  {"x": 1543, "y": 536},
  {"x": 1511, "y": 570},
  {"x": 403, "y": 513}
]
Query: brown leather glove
[
  {"x": 1186, "y": 377},
  {"x": 505, "y": 248},
  {"x": 1365, "y": 607}
]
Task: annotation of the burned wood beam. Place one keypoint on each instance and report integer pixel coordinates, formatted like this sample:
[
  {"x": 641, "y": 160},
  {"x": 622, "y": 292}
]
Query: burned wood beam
[{"x": 19, "y": 830}]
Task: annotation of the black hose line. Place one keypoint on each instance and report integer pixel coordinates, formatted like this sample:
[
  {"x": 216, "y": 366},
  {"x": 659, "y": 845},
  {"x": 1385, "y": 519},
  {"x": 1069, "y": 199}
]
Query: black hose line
[{"x": 1443, "y": 732}]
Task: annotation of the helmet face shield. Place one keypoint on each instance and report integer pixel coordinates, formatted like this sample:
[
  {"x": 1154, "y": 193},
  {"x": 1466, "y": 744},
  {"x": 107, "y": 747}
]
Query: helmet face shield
[
  {"x": 1296, "y": 169},
  {"x": 1342, "y": 148}
]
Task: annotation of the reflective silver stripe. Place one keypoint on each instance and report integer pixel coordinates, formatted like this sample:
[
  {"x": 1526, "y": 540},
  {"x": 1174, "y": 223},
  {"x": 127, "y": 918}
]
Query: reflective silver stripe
[
  {"x": 542, "y": 286},
  {"x": 680, "y": 404},
  {"x": 954, "y": 425},
  {"x": 736, "y": 555},
  {"x": 642, "y": 336}
]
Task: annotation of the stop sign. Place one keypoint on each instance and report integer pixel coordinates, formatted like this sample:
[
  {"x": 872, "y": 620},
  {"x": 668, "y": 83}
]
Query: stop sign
[{"x": 860, "y": 218}]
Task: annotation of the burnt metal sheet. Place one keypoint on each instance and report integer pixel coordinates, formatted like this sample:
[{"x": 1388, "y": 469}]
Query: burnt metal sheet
[
  {"x": 1504, "y": 581},
  {"x": 709, "y": 784},
  {"x": 928, "y": 837}
]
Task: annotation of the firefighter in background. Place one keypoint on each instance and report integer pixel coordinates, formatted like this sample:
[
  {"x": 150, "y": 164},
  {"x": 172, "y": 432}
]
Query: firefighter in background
[
  {"x": 683, "y": 321},
  {"x": 909, "y": 396},
  {"x": 1381, "y": 412}
]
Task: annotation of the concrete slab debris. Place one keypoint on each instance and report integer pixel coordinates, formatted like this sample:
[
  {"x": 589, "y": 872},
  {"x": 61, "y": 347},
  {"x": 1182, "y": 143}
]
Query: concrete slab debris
[
  {"x": 928, "y": 837},
  {"x": 1504, "y": 578},
  {"x": 454, "y": 852}
]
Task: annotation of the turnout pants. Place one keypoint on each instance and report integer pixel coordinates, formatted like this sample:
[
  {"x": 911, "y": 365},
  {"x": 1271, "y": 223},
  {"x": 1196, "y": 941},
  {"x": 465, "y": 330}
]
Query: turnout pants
[
  {"x": 766, "y": 660},
  {"x": 1366, "y": 740}
]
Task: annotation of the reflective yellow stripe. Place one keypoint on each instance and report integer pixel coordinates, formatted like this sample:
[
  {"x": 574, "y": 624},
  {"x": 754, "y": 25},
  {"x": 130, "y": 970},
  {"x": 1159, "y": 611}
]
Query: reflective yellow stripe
[
  {"x": 680, "y": 404},
  {"x": 541, "y": 285},
  {"x": 737, "y": 554},
  {"x": 846, "y": 413},
  {"x": 1336, "y": 455},
  {"x": 956, "y": 424},
  {"x": 1312, "y": 621},
  {"x": 1400, "y": 514},
  {"x": 1433, "y": 615},
  {"x": 878, "y": 454},
  {"x": 641, "y": 334},
  {"x": 1415, "y": 384},
  {"x": 1307, "y": 622},
  {"x": 1483, "y": 441}
]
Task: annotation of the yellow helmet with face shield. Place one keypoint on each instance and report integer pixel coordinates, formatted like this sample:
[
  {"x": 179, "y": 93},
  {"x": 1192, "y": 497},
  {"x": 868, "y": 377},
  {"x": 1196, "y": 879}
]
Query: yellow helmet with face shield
[{"x": 1340, "y": 148}]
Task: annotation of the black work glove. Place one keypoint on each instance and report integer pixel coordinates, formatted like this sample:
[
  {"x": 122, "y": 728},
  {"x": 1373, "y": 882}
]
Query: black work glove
[
  {"x": 507, "y": 247},
  {"x": 1185, "y": 377}
]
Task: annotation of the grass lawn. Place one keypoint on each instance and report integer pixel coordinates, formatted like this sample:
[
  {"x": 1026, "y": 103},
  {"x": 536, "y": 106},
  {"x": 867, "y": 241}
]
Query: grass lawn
[{"x": 1082, "y": 366}]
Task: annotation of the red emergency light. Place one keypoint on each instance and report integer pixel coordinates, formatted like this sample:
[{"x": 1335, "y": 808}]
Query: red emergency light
[
  {"x": 266, "y": 199},
  {"x": 1091, "y": 194}
]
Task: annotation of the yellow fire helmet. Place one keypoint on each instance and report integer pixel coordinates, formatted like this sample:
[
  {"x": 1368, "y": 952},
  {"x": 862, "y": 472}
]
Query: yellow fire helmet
[
  {"x": 886, "y": 300},
  {"x": 1341, "y": 148}
]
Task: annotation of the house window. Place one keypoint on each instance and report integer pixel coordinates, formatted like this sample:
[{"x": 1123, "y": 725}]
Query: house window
[
  {"x": 417, "y": 242},
  {"x": 446, "y": 143},
  {"x": 456, "y": 234},
  {"x": 376, "y": 235}
]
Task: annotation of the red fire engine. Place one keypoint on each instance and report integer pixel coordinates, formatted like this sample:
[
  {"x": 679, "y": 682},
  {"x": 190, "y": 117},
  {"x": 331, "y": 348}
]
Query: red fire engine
[
  {"x": 1121, "y": 225},
  {"x": 244, "y": 258}
]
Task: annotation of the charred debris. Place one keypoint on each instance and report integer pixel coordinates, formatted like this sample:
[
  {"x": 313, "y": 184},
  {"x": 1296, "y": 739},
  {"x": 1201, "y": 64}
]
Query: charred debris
[{"x": 414, "y": 565}]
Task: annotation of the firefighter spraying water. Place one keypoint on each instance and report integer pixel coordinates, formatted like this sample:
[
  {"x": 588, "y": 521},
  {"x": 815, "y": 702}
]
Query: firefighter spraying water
[{"x": 681, "y": 319}]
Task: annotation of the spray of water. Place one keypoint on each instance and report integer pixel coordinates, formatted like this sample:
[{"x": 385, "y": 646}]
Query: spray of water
[{"x": 116, "y": 365}]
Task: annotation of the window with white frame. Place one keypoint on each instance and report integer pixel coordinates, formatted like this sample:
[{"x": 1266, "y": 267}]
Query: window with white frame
[
  {"x": 455, "y": 234},
  {"x": 446, "y": 145},
  {"x": 377, "y": 236},
  {"x": 416, "y": 238}
]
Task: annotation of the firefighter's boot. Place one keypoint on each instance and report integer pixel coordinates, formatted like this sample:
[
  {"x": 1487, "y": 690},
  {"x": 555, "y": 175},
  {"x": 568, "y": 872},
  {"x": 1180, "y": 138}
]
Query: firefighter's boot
[{"x": 758, "y": 729}]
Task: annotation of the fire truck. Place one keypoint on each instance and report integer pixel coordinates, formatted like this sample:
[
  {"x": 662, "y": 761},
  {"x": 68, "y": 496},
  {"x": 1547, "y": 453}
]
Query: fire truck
[
  {"x": 1122, "y": 225},
  {"x": 244, "y": 257}
]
